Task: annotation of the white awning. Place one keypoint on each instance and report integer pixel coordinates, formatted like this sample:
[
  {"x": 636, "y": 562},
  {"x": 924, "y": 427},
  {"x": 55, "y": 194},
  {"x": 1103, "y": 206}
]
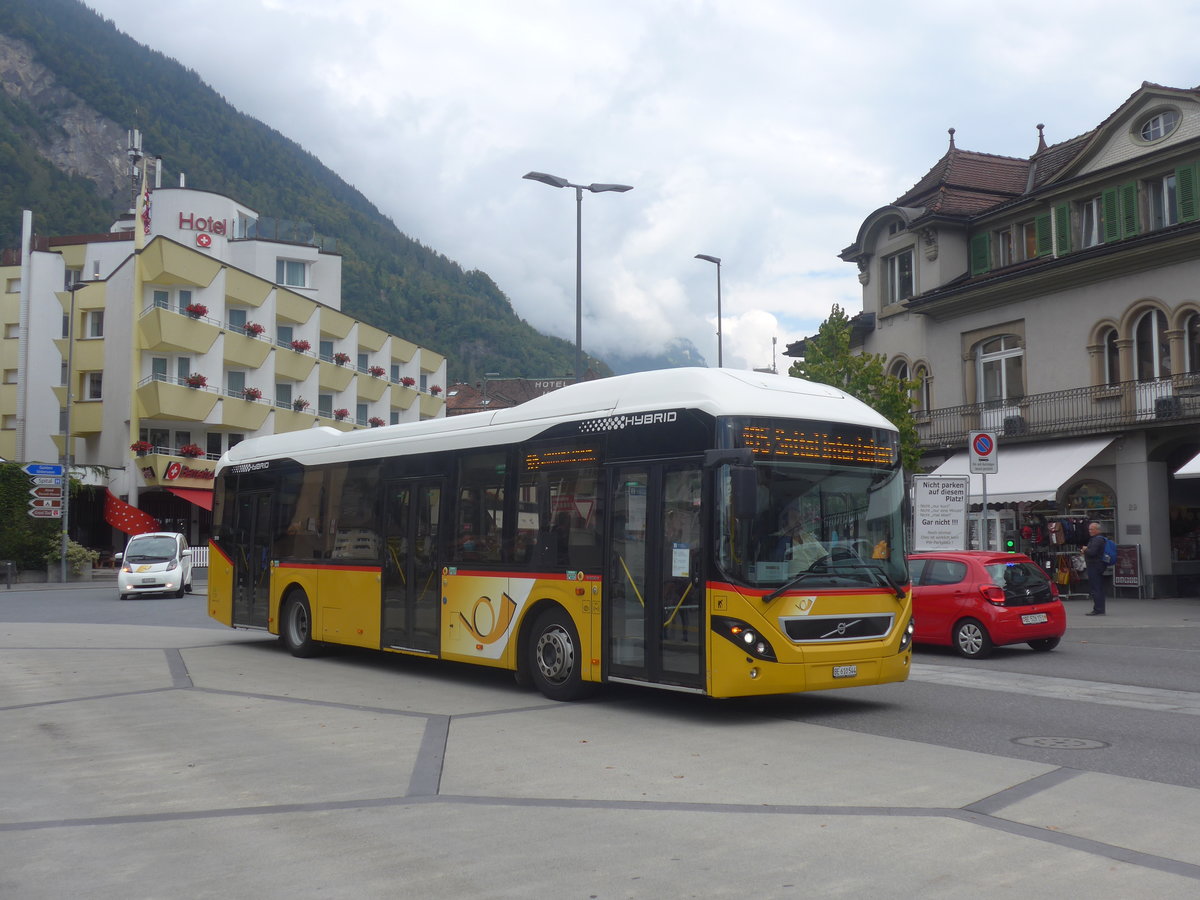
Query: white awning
[
  {"x": 1190, "y": 469},
  {"x": 1029, "y": 471}
]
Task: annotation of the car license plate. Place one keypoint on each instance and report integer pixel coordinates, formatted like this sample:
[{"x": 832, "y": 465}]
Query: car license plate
[
  {"x": 149, "y": 580},
  {"x": 845, "y": 671},
  {"x": 1034, "y": 619}
]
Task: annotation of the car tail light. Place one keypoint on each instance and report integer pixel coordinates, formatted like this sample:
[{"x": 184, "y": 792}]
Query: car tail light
[
  {"x": 1053, "y": 592},
  {"x": 992, "y": 594}
]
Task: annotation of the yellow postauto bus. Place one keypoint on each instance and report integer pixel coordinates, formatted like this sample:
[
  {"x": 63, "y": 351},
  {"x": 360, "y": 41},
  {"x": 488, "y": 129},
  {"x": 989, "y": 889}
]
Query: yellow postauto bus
[{"x": 717, "y": 532}]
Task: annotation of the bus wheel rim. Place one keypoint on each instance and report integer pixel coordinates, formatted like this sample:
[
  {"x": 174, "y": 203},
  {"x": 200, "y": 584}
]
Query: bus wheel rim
[{"x": 555, "y": 654}]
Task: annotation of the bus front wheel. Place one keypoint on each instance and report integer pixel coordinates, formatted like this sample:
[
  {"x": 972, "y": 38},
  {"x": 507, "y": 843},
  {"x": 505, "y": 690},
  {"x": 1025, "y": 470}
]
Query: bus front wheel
[
  {"x": 554, "y": 660},
  {"x": 296, "y": 626}
]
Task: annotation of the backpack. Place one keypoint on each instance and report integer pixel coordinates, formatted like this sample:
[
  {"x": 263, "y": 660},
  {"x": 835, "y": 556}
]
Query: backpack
[{"x": 1110, "y": 551}]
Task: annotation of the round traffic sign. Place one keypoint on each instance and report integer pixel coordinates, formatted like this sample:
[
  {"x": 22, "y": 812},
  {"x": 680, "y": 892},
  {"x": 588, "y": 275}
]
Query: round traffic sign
[{"x": 983, "y": 444}]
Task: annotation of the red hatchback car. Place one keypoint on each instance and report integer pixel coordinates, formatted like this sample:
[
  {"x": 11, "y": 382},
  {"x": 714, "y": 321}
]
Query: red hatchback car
[{"x": 974, "y": 600}]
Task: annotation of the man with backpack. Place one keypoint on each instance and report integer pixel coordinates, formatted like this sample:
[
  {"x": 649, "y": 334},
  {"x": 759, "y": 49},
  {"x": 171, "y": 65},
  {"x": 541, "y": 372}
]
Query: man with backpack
[{"x": 1095, "y": 554}]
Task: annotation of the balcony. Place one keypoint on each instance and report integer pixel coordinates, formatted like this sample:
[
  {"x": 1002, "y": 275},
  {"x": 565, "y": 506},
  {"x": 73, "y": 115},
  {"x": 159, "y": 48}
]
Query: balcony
[
  {"x": 163, "y": 398},
  {"x": 294, "y": 364},
  {"x": 243, "y": 415},
  {"x": 163, "y": 329},
  {"x": 1087, "y": 410},
  {"x": 246, "y": 351}
]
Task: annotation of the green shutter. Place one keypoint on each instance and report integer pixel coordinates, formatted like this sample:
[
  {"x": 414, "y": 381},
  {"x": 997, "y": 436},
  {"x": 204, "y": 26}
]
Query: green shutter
[
  {"x": 981, "y": 254},
  {"x": 1043, "y": 234},
  {"x": 1110, "y": 202},
  {"x": 1185, "y": 192},
  {"x": 1062, "y": 228},
  {"x": 1129, "y": 209}
]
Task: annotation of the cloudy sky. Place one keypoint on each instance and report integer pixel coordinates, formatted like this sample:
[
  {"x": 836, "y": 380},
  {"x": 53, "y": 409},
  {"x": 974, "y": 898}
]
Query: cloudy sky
[{"x": 758, "y": 131}]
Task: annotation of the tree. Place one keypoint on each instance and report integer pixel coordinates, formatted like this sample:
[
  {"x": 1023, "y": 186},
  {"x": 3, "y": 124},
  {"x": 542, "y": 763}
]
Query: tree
[{"x": 828, "y": 360}]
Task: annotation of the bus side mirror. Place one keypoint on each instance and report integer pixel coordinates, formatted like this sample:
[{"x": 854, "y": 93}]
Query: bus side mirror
[{"x": 744, "y": 484}]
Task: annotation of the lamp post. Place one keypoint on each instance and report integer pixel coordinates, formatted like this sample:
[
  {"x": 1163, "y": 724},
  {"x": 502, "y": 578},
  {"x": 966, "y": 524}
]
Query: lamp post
[
  {"x": 67, "y": 455},
  {"x": 556, "y": 181},
  {"x": 716, "y": 260}
]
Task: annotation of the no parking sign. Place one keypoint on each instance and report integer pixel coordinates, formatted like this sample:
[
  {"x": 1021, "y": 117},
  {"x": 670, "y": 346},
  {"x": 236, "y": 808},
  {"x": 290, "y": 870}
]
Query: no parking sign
[{"x": 984, "y": 458}]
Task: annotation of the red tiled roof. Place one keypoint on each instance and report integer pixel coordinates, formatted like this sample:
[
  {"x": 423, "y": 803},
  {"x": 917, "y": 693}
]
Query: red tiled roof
[{"x": 965, "y": 183}]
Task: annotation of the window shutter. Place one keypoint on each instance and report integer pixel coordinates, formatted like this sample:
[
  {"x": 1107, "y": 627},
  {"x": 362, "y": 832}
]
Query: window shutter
[
  {"x": 1111, "y": 204},
  {"x": 1062, "y": 228},
  {"x": 1129, "y": 209},
  {"x": 1185, "y": 192},
  {"x": 1043, "y": 234},
  {"x": 981, "y": 254}
]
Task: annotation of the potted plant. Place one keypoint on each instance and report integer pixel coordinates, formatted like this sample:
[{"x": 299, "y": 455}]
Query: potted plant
[
  {"x": 408, "y": 381},
  {"x": 252, "y": 393},
  {"x": 191, "y": 450},
  {"x": 375, "y": 422},
  {"x": 301, "y": 345},
  {"x": 377, "y": 371},
  {"x": 341, "y": 358},
  {"x": 299, "y": 404},
  {"x": 435, "y": 389},
  {"x": 196, "y": 310},
  {"x": 340, "y": 414},
  {"x": 141, "y": 448},
  {"x": 196, "y": 380},
  {"x": 253, "y": 329},
  {"x": 79, "y": 561}
]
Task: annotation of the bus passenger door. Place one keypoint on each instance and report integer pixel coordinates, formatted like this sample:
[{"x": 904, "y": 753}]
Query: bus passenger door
[
  {"x": 654, "y": 585},
  {"x": 252, "y": 567},
  {"x": 411, "y": 585}
]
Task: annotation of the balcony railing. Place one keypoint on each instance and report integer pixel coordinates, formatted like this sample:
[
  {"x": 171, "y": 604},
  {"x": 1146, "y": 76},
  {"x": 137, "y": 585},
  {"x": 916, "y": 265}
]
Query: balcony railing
[{"x": 1086, "y": 410}]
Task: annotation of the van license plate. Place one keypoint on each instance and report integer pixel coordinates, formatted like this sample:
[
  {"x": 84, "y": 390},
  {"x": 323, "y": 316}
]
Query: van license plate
[
  {"x": 845, "y": 671},
  {"x": 1034, "y": 619}
]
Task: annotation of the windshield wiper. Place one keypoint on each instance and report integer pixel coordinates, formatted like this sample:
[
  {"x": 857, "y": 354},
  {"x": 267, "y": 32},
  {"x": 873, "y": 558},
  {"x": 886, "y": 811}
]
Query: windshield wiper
[{"x": 881, "y": 577}]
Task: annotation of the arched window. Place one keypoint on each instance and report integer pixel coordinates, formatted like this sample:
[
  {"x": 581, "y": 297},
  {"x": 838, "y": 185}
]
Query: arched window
[
  {"x": 923, "y": 396},
  {"x": 1112, "y": 358},
  {"x": 1151, "y": 349},
  {"x": 1192, "y": 345},
  {"x": 1000, "y": 369},
  {"x": 899, "y": 369}
]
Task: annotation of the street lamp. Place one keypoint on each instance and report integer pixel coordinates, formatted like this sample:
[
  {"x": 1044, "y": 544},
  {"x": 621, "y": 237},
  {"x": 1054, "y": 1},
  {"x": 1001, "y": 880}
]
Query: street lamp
[
  {"x": 556, "y": 181},
  {"x": 716, "y": 260},
  {"x": 67, "y": 461}
]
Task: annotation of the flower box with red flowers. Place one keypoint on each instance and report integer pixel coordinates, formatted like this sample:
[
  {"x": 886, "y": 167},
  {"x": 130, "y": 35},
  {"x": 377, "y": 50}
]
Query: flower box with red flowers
[
  {"x": 341, "y": 358},
  {"x": 140, "y": 447},
  {"x": 191, "y": 450},
  {"x": 375, "y": 422},
  {"x": 300, "y": 405},
  {"x": 196, "y": 310},
  {"x": 408, "y": 381},
  {"x": 340, "y": 414},
  {"x": 435, "y": 390},
  {"x": 253, "y": 329},
  {"x": 301, "y": 345},
  {"x": 377, "y": 371},
  {"x": 252, "y": 393},
  {"x": 196, "y": 381}
]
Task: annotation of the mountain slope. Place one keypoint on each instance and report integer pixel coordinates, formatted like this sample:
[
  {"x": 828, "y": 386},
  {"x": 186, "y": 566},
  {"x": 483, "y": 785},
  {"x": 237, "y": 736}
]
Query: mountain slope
[{"x": 72, "y": 81}]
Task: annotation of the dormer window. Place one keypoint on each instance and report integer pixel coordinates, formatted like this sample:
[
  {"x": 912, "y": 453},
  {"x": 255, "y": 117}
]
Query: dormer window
[
  {"x": 1159, "y": 125},
  {"x": 898, "y": 276}
]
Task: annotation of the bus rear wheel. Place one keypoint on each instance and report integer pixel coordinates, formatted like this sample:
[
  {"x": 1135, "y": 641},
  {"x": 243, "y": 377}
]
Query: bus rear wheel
[
  {"x": 295, "y": 627},
  {"x": 554, "y": 661}
]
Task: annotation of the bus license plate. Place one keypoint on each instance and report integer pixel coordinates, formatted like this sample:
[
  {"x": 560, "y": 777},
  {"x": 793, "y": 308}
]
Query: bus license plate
[
  {"x": 845, "y": 671},
  {"x": 1035, "y": 619}
]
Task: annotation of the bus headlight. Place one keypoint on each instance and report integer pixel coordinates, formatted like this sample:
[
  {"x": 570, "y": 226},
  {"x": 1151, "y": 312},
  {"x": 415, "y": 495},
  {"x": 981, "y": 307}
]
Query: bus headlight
[
  {"x": 906, "y": 640},
  {"x": 744, "y": 636}
]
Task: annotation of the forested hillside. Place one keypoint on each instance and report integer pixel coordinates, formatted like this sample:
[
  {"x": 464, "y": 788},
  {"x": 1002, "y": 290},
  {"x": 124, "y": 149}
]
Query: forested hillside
[{"x": 389, "y": 279}]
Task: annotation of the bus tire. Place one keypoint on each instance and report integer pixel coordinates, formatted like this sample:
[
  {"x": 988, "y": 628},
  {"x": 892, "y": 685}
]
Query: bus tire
[
  {"x": 295, "y": 626},
  {"x": 554, "y": 656}
]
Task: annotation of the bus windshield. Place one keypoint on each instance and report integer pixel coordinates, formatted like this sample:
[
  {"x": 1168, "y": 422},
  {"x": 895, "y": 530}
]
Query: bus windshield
[{"x": 815, "y": 524}]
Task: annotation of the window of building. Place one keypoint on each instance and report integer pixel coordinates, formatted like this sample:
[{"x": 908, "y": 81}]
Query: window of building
[
  {"x": 1112, "y": 358},
  {"x": 213, "y": 444},
  {"x": 395, "y": 373},
  {"x": 394, "y": 418},
  {"x": 1159, "y": 125},
  {"x": 183, "y": 367},
  {"x": 12, "y": 286},
  {"x": 898, "y": 276},
  {"x": 325, "y": 405},
  {"x": 1151, "y": 349},
  {"x": 283, "y": 335},
  {"x": 8, "y": 423},
  {"x": 158, "y": 368},
  {"x": 234, "y": 440},
  {"x": 1029, "y": 239},
  {"x": 360, "y": 413},
  {"x": 12, "y": 330},
  {"x": 93, "y": 323},
  {"x": 899, "y": 369},
  {"x": 185, "y": 300},
  {"x": 1160, "y": 195},
  {"x": 162, "y": 299},
  {"x": 923, "y": 395},
  {"x": 283, "y": 395},
  {"x": 93, "y": 386},
  {"x": 325, "y": 350},
  {"x": 237, "y": 317},
  {"x": 1003, "y": 240},
  {"x": 70, "y": 277},
  {"x": 1000, "y": 369},
  {"x": 362, "y": 362},
  {"x": 182, "y": 438},
  {"x": 1091, "y": 222},
  {"x": 10, "y": 376},
  {"x": 290, "y": 272},
  {"x": 895, "y": 228},
  {"x": 235, "y": 382},
  {"x": 1192, "y": 342}
]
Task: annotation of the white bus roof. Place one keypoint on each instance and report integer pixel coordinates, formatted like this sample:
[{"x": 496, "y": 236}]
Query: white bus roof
[{"x": 718, "y": 392}]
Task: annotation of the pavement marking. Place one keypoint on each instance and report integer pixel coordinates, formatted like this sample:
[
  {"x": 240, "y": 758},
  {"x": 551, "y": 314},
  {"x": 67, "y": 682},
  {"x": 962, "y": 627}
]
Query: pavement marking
[{"x": 1132, "y": 696}]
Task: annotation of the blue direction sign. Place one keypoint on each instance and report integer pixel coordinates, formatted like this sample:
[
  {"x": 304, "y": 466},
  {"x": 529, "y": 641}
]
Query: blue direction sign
[{"x": 43, "y": 469}]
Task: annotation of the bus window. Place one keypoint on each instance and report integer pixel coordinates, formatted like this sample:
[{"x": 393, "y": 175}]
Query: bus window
[
  {"x": 354, "y": 521},
  {"x": 479, "y": 513}
]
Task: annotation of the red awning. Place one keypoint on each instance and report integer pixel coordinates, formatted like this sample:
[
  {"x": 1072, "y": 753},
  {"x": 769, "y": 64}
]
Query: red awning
[{"x": 203, "y": 499}]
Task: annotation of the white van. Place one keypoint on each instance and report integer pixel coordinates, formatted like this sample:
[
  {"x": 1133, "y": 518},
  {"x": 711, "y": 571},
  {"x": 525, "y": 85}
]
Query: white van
[{"x": 158, "y": 562}]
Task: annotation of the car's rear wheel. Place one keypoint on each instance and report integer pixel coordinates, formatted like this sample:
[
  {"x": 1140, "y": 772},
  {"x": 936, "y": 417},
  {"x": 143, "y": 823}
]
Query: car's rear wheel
[
  {"x": 972, "y": 640},
  {"x": 1045, "y": 644}
]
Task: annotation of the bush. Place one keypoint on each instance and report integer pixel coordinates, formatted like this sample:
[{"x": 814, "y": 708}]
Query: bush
[
  {"x": 22, "y": 539},
  {"x": 77, "y": 555}
]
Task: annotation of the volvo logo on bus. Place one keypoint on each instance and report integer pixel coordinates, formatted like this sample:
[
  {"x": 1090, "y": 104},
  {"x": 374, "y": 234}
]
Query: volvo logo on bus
[{"x": 632, "y": 420}]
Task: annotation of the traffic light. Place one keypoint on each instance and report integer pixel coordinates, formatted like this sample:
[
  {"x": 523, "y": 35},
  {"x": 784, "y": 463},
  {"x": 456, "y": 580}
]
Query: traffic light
[{"x": 1010, "y": 542}]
